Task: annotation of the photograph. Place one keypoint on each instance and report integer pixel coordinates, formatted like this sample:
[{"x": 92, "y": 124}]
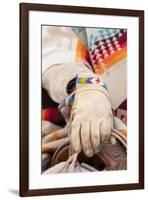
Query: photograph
[{"x": 84, "y": 99}]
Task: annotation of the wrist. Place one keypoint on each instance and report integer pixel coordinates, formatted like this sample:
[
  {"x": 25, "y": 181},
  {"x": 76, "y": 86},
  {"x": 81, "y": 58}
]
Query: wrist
[{"x": 71, "y": 86}]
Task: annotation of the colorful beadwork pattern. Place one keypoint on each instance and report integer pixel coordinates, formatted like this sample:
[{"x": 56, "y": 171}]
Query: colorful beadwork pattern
[
  {"x": 69, "y": 100},
  {"x": 85, "y": 80},
  {"x": 90, "y": 80}
]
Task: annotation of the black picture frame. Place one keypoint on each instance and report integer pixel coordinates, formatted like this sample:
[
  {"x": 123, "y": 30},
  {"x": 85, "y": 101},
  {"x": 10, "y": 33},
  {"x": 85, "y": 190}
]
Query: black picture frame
[{"x": 24, "y": 96}]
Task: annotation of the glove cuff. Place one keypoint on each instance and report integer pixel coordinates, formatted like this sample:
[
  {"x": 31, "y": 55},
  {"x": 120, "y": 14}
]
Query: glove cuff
[
  {"x": 57, "y": 78},
  {"x": 86, "y": 82},
  {"x": 91, "y": 81}
]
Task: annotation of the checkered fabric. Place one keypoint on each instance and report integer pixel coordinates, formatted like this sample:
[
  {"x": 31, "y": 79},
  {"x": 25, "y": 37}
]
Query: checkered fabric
[
  {"x": 99, "y": 34},
  {"x": 107, "y": 48}
]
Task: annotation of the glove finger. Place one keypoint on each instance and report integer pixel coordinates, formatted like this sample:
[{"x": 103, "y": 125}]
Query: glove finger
[
  {"x": 85, "y": 138},
  {"x": 95, "y": 136},
  {"x": 75, "y": 137},
  {"x": 106, "y": 126}
]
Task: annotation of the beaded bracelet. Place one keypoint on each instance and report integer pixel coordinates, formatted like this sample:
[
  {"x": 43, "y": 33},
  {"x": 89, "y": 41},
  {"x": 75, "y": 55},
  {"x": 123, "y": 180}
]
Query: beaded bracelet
[{"x": 86, "y": 80}]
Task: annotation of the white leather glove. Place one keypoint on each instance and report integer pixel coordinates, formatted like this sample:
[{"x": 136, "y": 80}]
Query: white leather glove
[
  {"x": 56, "y": 78},
  {"x": 91, "y": 115}
]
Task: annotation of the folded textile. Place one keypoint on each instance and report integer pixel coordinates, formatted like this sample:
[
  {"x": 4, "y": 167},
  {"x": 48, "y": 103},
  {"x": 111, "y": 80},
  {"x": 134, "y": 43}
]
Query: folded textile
[
  {"x": 107, "y": 47},
  {"x": 55, "y": 135},
  {"x": 53, "y": 115},
  {"x": 48, "y": 127},
  {"x": 53, "y": 145}
]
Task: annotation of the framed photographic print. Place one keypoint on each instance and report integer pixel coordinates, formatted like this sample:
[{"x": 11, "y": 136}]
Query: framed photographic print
[{"x": 81, "y": 99}]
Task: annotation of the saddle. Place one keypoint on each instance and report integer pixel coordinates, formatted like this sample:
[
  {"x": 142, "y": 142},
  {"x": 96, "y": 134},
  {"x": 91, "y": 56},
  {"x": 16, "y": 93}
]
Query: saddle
[{"x": 112, "y": 156}]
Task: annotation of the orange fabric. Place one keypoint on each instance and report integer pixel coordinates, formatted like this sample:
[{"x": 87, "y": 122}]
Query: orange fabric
[
  {"x": 44, "y": 114},
  {"x": 123, "y": 131},
  {"x": 112, "y": 59},
  {"x": 81, "y": 51}
]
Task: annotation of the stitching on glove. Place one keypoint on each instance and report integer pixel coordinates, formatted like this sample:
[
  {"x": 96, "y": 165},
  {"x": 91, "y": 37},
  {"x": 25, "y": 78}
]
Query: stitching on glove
[
  {"x": 87, "y": 80},
  {"x": 70, "y": 99}
]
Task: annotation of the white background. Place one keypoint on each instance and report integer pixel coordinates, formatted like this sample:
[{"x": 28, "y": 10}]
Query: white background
[{"x": 9, "y": 87}]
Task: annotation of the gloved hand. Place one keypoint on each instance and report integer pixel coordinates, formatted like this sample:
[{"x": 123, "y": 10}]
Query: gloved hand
[
  {"x": 91, "y": 116},
  {"x": 56, "y": 78}
]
